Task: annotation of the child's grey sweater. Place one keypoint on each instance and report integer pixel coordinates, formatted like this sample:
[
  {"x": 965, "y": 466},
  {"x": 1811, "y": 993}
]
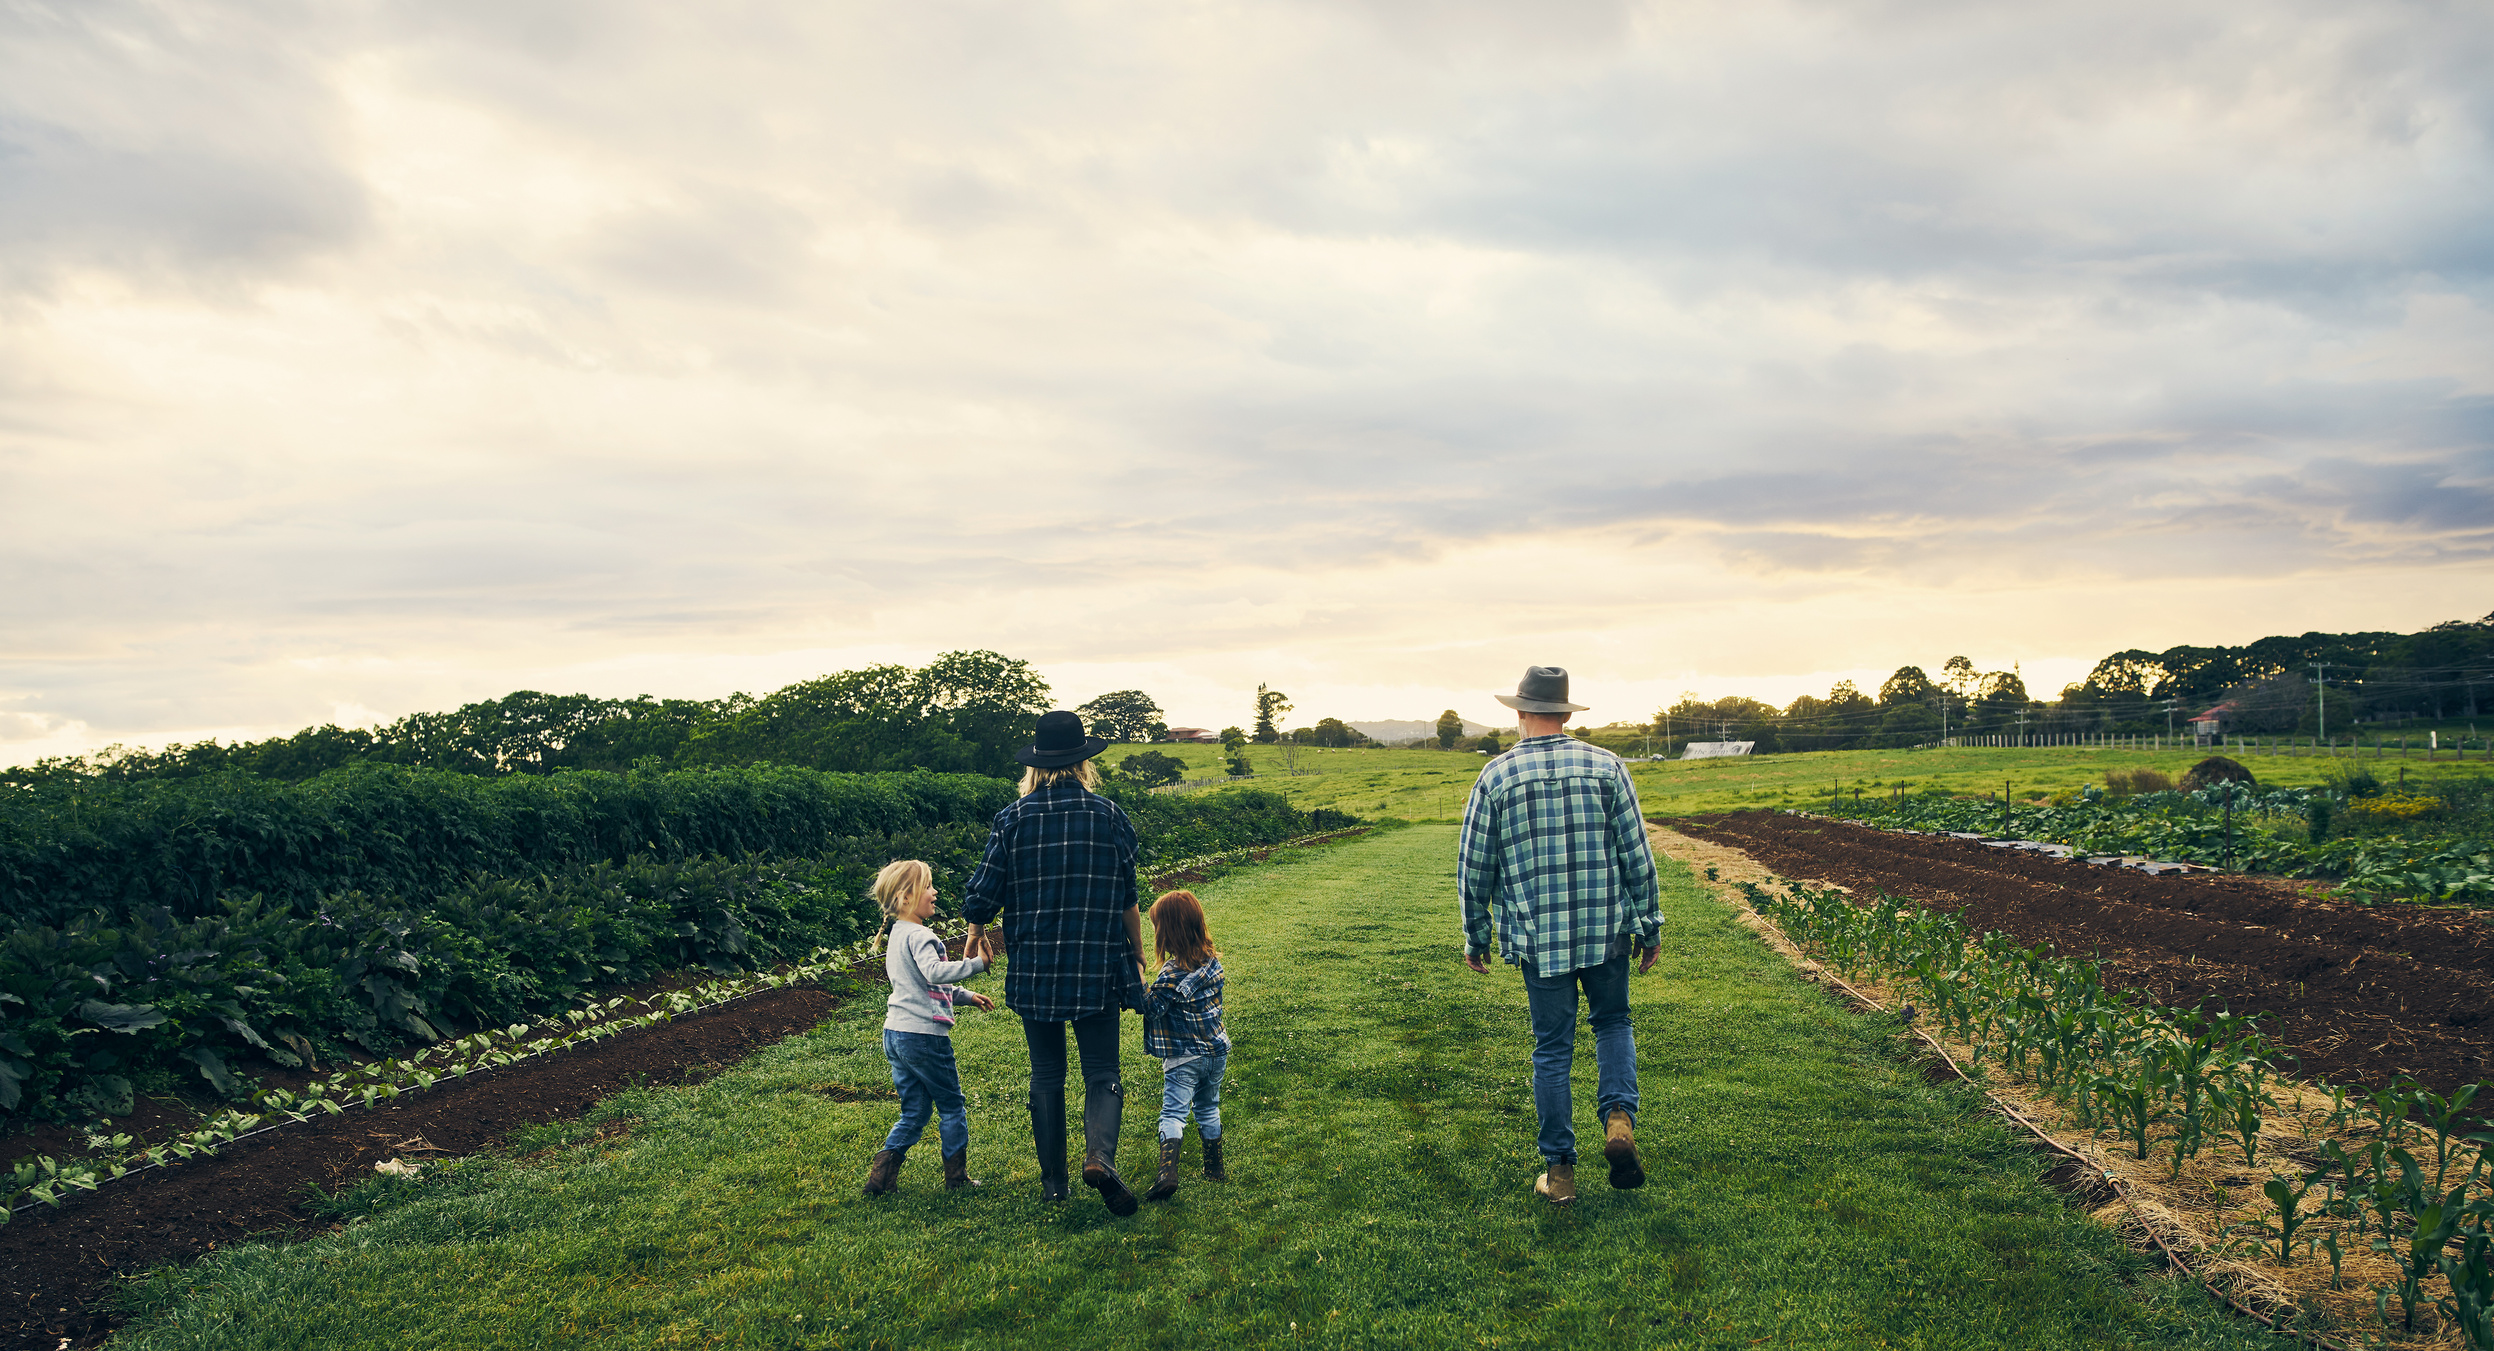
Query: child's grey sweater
[{"x": 922, "y": 997}]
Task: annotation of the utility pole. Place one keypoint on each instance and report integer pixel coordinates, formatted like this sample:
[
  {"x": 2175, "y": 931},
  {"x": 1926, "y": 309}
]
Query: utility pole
[
  {"x": 2169, "y": 720},
  {"x": 2323, "y": 683},
  {"x": 2021, "y": 726}
]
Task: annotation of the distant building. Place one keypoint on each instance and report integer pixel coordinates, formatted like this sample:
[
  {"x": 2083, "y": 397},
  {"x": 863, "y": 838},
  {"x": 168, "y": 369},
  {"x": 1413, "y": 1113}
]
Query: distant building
[
  {"x": 2211, "y": 725},
  {"x": 1195, "y": 734},
  {"x": 1708, "y": 750}
]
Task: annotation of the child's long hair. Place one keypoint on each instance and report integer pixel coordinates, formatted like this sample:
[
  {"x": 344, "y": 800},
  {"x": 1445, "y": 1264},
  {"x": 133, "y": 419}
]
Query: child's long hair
[
  {"x": 1179, "y": 931},
  {"x": 901, "y": 878}
]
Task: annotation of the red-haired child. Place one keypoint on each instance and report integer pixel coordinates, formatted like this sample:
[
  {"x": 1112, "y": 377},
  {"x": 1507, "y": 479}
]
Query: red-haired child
[{"x": 1182, "y": 1025}]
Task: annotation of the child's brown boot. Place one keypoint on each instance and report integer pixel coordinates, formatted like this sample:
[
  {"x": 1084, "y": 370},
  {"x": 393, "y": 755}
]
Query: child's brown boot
[
  {"x": 883, "y": 1176},
  {"x": 957, "y": 1171},
  {"x": 1213, "y": 1171},
  {"x": 1166, "y": 1185},
  {"x": 1558, "y": 1186},
  {"x": 1619, "y": 1147}
]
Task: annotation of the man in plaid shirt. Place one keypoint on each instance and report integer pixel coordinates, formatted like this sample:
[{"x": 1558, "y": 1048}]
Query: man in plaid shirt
[{"x": 1554, "y": 853}]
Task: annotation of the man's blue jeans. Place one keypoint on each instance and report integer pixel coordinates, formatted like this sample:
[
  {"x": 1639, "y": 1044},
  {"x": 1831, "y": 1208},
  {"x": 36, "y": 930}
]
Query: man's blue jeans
[
  {"x": 1552, "y": 1000},
  {"x": 922, "y": 1069},
  {"x": 1193, "y": 1087}
]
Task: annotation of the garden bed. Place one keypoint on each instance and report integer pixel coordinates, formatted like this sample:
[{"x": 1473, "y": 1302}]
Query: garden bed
[
  {"x": 58, "y": 1265},
  {"x": 2359, "y": 994}
]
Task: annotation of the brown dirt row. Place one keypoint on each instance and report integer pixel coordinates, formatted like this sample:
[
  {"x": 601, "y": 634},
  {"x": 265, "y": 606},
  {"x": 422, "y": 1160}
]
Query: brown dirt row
[
  {"x": 56, "y": 1266},
  {"x": 2360, "y": 994}
]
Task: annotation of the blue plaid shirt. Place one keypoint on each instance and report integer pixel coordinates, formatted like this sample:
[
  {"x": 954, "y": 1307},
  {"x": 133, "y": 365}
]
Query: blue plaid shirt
[
  {"x": 1182, "y": 1012},
  {"x": 1060, "y": 870},
  {"x": 1554, "y": 849}
]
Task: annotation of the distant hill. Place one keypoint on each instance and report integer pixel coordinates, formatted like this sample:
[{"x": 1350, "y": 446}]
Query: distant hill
[{"x": 1409, "y": 730}]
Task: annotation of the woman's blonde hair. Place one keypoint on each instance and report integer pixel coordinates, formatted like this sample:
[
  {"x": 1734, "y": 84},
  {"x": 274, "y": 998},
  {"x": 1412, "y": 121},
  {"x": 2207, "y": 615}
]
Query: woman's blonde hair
[
  {"x": 1085, "y": 773},
  {"x": 900, "y": 879}
]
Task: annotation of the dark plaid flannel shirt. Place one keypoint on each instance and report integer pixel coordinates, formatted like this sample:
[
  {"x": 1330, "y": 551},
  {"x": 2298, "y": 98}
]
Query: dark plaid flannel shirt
[
  {"x": 1182, "y": 1012},
  {"x": 1059, "y": 869}
]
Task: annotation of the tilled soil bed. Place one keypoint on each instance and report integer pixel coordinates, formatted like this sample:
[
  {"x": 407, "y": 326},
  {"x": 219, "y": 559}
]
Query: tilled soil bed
[
  {"x": 2360, "y": 994},
  {"x": 57, "y": 1264}
]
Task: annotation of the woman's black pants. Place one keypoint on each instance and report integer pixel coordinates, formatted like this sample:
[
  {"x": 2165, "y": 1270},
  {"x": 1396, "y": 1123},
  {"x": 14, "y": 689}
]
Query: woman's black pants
[{"x": 1103, "y": 1097}]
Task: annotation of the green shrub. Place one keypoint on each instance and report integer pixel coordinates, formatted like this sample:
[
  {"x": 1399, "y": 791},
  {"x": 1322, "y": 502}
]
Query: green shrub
[
  {"x": 69, "y": 847},
  {"x": 100, "y": 1001}
]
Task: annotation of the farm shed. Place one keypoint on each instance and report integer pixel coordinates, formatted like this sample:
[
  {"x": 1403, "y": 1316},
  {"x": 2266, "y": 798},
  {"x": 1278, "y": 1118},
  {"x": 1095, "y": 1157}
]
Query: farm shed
[
  {"x": 1196, "y": 734},
  {"x": 2212, "y": 724},
  {"x": 1709, "y": 750}
]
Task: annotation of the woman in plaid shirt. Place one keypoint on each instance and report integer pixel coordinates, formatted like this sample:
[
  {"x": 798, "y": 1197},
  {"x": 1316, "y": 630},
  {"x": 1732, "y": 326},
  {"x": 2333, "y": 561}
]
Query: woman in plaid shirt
[{"x": 1059, "y": 871}]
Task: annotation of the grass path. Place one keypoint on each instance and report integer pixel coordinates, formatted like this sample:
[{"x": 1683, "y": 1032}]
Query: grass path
[{"x": 1807, "y": 1189}]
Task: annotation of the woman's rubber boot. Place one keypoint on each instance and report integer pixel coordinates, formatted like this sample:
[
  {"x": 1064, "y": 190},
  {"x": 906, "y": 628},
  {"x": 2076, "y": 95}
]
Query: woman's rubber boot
[
  {"x": 1166, "y": 1185},
  {"x": 883, "y": 1176},
  {"x": 957, "y": 1171},
  {"x": 1101, "y": 1176},
  {"x": 1048, "y": 1137},
  {"x": 1213, "y": 1172}
]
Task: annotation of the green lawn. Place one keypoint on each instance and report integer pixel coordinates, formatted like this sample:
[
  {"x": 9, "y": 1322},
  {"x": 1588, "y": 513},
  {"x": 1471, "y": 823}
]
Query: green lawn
[
  {"x": 1430, "y": 785},
  {"x": 1808, "y": 1189}
]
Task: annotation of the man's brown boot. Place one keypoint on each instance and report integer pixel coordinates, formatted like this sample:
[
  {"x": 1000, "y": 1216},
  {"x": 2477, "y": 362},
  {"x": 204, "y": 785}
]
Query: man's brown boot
[
  {"x": 1619, "y": 1147},
  {"x": 957, "y": 1171},
  {"x": 1166, "y": 1185},
  {"x": 1213, "y": 1171},
  {"x": 1558, "y": 1186},
  {"x": 883, "y": 1176}
]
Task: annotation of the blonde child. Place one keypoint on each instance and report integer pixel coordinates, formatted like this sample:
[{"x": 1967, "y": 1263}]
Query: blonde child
[
  {"x": 1182, "y": 1025},
  {"x": 917, "y": 1028}
]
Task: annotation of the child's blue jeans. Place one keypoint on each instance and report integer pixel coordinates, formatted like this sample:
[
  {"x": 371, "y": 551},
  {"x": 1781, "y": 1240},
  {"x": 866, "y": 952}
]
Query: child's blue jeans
[
  {"x": 1193, "y": 1088},
  {"x": 922, "y": 1069}
]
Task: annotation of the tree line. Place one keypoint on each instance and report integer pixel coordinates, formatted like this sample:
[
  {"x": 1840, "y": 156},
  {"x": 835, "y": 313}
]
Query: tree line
[
  {"x": 2275, "y": 686},
  {"x": 964, "y": 712}
]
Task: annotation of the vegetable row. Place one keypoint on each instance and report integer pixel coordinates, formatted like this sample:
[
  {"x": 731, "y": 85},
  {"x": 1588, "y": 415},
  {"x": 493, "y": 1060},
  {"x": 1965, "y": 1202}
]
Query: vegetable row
[
  {"x": 2284, "y": 832},
  {"x": 2404, "y": 1172}
]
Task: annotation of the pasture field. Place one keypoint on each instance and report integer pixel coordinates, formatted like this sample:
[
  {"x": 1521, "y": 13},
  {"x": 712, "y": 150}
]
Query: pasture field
[
  {"x": 1808, "y": 1188},
  {"x": 1428, "y": 785}
]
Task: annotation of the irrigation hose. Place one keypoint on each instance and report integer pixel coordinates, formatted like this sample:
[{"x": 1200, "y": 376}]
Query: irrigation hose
[{"x": 2120, "y": 1188}]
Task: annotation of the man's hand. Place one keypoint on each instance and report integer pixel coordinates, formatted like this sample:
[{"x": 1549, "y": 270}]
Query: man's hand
[
  {"x": 1477, "y": 962},
  {"x": 982, "y": 1001},
  {"x": 1645, "y": 963},
  {"x": 976, "y": 944}
]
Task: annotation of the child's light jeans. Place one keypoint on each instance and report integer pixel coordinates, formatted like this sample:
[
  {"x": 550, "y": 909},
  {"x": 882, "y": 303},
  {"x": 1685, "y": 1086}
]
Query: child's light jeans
[
  {"x": 923, "y": 1071},
  {"x": 1193, "y": 1089}
]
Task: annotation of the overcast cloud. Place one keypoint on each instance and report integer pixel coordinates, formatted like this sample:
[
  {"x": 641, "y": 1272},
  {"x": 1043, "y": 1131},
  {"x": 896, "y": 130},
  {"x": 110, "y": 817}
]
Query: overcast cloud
[{"x": 356, "y": 359}]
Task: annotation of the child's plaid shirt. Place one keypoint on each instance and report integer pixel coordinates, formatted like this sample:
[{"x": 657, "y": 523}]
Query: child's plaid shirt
[{"x": 1182, "y": 1012}]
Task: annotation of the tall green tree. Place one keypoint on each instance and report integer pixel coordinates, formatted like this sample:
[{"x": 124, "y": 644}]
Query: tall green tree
[
  {"x": 1450, "y": 730},
  {"x": 1908, "y": 686},
  {"x": 1271, "y": 704},
  {"x": 1123, "y": 715}
]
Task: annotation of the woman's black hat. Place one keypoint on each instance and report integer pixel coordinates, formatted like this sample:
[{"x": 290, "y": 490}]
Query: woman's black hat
[{"x": 1060, "y": 742}]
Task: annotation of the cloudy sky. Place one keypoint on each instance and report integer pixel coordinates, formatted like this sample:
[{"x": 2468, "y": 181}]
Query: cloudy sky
[{"x": 364, "y": 358}]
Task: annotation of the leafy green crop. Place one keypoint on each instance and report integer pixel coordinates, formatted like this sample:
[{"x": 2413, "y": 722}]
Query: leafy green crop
[
  {"x": 2119, "y": 1062},
  {"x": 93, "y": 1000}
]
